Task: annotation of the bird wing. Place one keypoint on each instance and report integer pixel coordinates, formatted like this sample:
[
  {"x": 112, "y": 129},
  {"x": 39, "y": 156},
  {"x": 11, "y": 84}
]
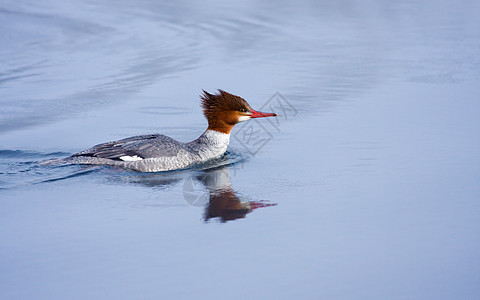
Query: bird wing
[{"x": 135, "y": 148}]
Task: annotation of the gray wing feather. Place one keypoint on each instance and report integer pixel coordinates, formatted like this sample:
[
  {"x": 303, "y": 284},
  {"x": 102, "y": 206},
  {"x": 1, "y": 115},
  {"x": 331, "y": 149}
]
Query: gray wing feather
[{"x": 144, "y": 146}]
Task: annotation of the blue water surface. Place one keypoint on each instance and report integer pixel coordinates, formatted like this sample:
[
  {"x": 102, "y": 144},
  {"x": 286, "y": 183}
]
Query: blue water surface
[{"x": 365, "y": 187}]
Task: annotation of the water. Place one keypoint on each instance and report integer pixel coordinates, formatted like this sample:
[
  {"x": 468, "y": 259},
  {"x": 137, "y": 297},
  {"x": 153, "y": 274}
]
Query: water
[{"x": 366, "y": 187}]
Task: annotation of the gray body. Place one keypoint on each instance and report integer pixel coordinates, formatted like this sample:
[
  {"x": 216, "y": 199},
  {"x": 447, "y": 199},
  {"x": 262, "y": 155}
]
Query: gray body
[{"x": 154, "y": 153}]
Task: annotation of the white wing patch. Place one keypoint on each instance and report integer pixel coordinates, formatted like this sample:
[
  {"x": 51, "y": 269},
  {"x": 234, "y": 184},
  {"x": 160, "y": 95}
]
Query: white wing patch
[{"x": 130, "y": 158}]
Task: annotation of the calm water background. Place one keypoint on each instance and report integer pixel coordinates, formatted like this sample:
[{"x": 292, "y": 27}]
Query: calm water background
[{"x": 375, "y": 171}]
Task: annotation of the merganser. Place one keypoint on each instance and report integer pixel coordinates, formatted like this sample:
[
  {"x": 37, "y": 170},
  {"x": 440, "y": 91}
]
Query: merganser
[{"x": 157, "y": 152}]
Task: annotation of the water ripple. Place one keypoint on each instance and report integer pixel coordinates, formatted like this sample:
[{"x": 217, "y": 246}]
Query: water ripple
[{"x": 20, "y": 168}]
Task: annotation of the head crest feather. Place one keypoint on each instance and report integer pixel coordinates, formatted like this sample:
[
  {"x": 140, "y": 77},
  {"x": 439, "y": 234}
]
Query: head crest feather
[{"x": 222, "y": 101}]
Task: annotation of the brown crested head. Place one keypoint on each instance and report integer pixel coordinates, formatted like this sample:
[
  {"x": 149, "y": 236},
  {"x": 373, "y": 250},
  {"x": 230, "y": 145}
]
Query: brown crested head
[{"x": 223, "y": 110}]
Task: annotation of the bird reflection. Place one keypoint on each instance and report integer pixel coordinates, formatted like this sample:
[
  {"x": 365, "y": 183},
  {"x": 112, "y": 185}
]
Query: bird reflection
[
  {"x": 221, "y": 200},
  {"x": 226, "y": 206},
  {"x": 209, "y": 188}
]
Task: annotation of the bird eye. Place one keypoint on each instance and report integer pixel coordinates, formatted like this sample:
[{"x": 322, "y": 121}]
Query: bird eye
[{"x": 242, "y": 110}]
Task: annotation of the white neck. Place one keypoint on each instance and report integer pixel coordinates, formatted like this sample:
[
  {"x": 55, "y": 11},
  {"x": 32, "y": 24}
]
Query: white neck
[{"x": 211, "y": 144}]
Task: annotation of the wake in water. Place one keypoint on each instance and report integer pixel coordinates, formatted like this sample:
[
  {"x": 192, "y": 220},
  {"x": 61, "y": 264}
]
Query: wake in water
[{"x": 19, "y": 168}]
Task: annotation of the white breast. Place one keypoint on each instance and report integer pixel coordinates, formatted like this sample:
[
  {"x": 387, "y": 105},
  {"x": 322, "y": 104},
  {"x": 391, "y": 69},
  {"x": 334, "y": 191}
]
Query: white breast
[{"x": 212, "y": 144}]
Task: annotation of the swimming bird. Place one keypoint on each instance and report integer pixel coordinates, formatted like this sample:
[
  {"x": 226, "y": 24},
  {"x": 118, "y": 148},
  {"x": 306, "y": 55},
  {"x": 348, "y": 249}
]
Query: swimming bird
[{"x": 157, "y": 152}]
